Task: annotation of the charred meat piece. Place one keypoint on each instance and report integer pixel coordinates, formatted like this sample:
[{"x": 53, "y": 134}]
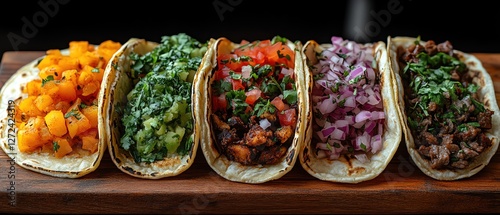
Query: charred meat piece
[
  {"x": 272, "y": 155},
  {"x": 257, "y": 136},
  {"x": 221, "y": 125},
  {"x": 241, "y": 154},
  {"x": 284, "y": 133}
]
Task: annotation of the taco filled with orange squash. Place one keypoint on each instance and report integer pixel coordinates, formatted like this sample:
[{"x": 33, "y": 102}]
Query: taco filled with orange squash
[
  {"x": 448, "y": 109},
  {"x": 49, "y": 114},
  {"x": 253, "y": 107}
]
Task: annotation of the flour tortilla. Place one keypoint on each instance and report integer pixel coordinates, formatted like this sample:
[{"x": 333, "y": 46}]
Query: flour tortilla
[
  {"x": 486, "y": 94},
  {"x": 232, "y": 170},
  {"x": 69, "y": 166},
  {"x": 118, "y": 85},
  {"x": 345, "y": 169}
]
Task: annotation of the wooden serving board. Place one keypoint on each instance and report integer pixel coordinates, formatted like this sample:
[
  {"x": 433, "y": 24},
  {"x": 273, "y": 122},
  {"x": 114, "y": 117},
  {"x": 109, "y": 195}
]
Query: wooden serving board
[{"x": 401, "y": 188}]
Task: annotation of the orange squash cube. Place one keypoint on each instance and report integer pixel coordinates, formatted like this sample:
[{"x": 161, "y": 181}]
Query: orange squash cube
[
  {"x": 56, "y": 123},
  {"x": 61, "y": 147}
]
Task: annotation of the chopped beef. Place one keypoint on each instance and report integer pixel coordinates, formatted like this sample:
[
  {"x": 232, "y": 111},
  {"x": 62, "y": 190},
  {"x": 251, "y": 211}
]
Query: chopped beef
[{"x": 449, "y": 128}]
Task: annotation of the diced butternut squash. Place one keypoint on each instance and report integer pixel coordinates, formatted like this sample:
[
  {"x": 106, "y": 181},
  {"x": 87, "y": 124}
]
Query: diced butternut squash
[
  {"x": 60, "y": 110},
  {"x": 28, "y": 140},
  {"x": 50, "y": 88},
  {"x": 44, "y": 103},
  {"x": 27, "y": 106},
  {"x": 62, "y": 106},
  {"x": 85, "y": 78},
  {"x": 91, "y": 113},
  {"x": 33, "y": 88},
  {"x": 78, "y": 48},
  {"x": 90, "y": 143},
  {"x": 90, "y": 88},
  {"x": 90, "y": 59},
  {"x": 56, "y": 123},
  {"x": 61, "y": 147},
  {"x": 55, "y": 52},
  {"x": 67, "y": 91},
  {"x": 70, "y": 75},
  {"x": 45, "y": 135},
  {"x": 96, "y": 72},
  {"x": 72, "y": 126},
  {"x": 54, "y": 70},
  {"x": 67, "y": 63},
  {"x": 48, "y": 60}
]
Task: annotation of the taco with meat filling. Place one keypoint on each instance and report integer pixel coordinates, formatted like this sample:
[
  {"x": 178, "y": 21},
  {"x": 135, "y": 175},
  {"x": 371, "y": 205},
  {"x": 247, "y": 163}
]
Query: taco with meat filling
[
  {"x": 49, "y": 111},
  {"x": 148, "y": 114},
  {"x": 252, "y": 105},
  {"x": 355, "y": 129},
  {"x": 447, "y": 105}
]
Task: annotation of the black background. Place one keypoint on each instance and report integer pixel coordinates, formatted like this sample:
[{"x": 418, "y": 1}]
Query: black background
[{"x": 471, "y": 27}]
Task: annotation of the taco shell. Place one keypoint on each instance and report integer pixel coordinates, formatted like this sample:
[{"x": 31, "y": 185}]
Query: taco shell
[
  {"x": 347, "y": 169},
  {"x": 232, "y": 170},
  {"x": 119, "y": 84},
  {"x": 69, "y": 166},
  {"x": 486, "y": 96}
]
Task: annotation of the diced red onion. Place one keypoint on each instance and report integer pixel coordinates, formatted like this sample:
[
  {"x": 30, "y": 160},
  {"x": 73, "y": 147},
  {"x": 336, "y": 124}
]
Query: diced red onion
[
  {"x": 264, "y": 123},
  {"x": 348, "y": 106}
]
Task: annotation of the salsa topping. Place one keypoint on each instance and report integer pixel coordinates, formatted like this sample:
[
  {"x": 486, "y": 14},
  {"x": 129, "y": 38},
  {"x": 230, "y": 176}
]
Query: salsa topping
[
  {"x": 445, "y": 114},
  {"x": 348, "y": 111},
  {"x": 254, "y": 101},
  {"x": 157, "y": 118}
]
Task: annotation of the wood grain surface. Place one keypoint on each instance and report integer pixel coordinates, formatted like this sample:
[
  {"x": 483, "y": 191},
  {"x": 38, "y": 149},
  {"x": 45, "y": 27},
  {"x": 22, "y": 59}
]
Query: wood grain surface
[{"x": 401, "y": 189}]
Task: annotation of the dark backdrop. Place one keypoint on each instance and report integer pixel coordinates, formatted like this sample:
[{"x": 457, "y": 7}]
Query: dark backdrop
[{"x": 45, "y": 24}]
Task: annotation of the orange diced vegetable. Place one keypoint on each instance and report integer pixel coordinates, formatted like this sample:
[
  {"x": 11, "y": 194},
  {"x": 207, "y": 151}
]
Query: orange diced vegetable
[
  {"x": 53, "y": 70},
  {"x": 78, "y": 48},
  {"x": 56, "y": 123},
  {"x": 90, "y": 143},
  {"x": 29, "y": 138},
  {"x": 67, "y": 91},
  {"x": 55, "y": 52},
  {"x": 50, "y": 88},
  {"x": 70, "y": 75},
  {"x": 91, "y": 113},
  {"x": 67, "y": 63},
  {"x": 43, "y": 103},
  {"x": 62, "y": 106},
  {"x": 90, "y": 88},
  {"x": 27, "y": 106},
  {"x": 48, "y": 60},
  {"x": 61, "y": 147},
  {"x": 89, "y": 59},
  {"x": 33, "y": 88},
  {"x": 85, "y": 78}
]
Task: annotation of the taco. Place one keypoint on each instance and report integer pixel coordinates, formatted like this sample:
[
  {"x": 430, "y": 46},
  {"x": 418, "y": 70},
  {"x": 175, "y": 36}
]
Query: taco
[
  {"x": 355, "y": 129},
  {"x": 49, "y": 120},
  {"x": 447, "y": 106},
  {"x": 252, "y": 105},
  {"x": 148, "y": 114}
]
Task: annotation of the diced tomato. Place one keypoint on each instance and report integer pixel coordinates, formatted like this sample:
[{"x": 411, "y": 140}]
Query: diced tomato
[
  {"x": 221, "y": 73},
  {"x": 252, "y": 96},
  {"x": 288, "y": 117},
  {"x": 279, "y": 53},
  {"x": 279, "y": 104},
  {"x": 237, "y": 84},
  {"x": 219, "y": 102}
]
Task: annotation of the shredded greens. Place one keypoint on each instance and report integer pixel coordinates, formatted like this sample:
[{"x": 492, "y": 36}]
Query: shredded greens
[{"x": 157, "y": 117}]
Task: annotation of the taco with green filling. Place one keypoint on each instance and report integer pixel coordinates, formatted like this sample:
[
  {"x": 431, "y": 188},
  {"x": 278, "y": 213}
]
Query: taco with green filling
[{"x": 148, "y": 113}]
